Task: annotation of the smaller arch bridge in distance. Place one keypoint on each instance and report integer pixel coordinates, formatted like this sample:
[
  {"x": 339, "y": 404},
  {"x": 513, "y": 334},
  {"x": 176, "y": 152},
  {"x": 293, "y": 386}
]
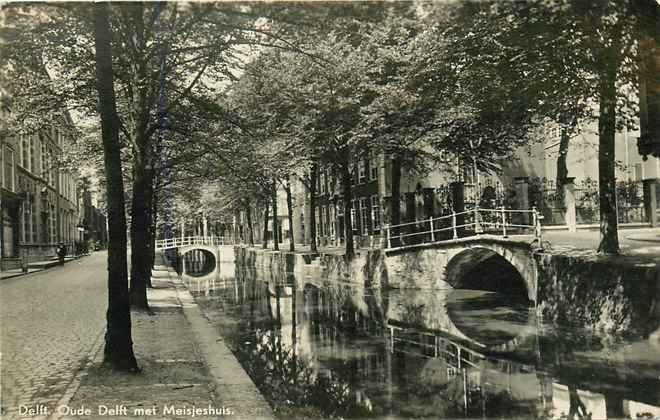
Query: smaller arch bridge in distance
[
  {"x": 186, "y": 241},
  {"x": 220, "y": 248}
]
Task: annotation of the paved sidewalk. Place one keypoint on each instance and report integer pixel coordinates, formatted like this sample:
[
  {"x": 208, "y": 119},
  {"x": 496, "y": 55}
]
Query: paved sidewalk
[
  {"x": 187, "y": 370},
  {"x": 15, "y": 272},
  {"x": 34, "y": 267}
]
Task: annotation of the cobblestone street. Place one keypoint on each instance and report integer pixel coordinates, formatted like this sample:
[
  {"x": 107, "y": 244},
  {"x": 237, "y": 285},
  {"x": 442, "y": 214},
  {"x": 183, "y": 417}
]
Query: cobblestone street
[{"x": 50, "y": 322}]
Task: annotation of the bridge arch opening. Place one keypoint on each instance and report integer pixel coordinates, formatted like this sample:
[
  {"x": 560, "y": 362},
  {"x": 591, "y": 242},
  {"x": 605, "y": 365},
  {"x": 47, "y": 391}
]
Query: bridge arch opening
[
  {"x": 484, "y": 269},
  {"x": 198, "y": 262}
]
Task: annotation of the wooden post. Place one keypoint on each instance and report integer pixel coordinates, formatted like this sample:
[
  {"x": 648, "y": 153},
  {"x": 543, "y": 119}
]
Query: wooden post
[
  {"x": 453, "y": 224},
  {"x": 432, "y": 231}
]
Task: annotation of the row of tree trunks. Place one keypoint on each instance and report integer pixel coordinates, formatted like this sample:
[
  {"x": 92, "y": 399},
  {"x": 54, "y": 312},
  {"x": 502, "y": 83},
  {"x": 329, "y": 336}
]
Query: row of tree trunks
[{"x": 118, "y": 350}]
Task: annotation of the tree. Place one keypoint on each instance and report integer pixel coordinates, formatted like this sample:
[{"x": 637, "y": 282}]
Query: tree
[
  {"x": 118, "y": 351},
  {"x": 183, "y": 51},
  {"x": 565, "y": 57}
]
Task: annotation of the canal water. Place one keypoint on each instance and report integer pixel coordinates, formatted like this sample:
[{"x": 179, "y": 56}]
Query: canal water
[{"x": 324, "y": 348}]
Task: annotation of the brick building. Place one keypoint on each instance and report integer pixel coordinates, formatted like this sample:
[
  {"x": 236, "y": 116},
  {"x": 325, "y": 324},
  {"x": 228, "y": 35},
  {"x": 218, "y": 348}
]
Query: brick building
[{"x": 38, "y": 195}]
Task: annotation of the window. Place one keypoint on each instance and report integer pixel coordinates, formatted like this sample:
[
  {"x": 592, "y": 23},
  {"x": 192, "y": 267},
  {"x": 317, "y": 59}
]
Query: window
[
  {"x": 322, "y": 182},
  {"x": 354, "y": 221},
  {"x": 44, "y": 163},
  {"x": 329, "y": 181},
  {"x": 33, "y": 224},
  {"x": 373, "y": 169},
  {"x": 362, "y": 171},
  {"x": 33, "y": 155},
  {"x": 317, "y": 216},
  {"x": 24, "y": 222},
  {"x": 51, "y": 173},
  {"x": 24, "y": 141},
  {"x": 331, "y": 215},
  {"x": 364, "y": 216},
  {"x": 326, "y": 221},
  {"x": 375, "y": 212},
  {"x": 8, "y": 168},
  {"x": 351, "y": 171},
  {"x": 322, "y": 220}
]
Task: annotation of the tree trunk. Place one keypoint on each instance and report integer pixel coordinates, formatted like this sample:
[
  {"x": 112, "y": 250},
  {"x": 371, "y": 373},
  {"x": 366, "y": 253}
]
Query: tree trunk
[
  {"x": 276, "y": 236},
  {"x": 567, "y": 132},
  {"x": 348, "y": 222},
  {"x": 264, "y": 240},
  {"x": 312, "y": 207},
  {"x": 248, "y": 214},
  {"x": 609, "y": 243},
  {"x": 141, "y": 235},
  {"x": 289, "y": 211},
  {"x": 395, "y": 201},
  {"x": 562, "y": 168},
  {"x": 118, "y": 351}
]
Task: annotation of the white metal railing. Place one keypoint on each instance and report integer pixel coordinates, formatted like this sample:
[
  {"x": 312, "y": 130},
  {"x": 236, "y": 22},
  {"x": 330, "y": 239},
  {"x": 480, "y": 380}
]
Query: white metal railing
[
  {"x": 470, "y": 222},
  {"x": 190, "y": 240}
]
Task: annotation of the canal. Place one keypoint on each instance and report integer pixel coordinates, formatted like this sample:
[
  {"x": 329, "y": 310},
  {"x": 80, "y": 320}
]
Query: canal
[{"x": 326, "y": 348}]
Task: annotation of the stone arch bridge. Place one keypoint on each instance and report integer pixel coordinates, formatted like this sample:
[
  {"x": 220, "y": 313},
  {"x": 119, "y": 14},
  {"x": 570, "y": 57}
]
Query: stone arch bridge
[{"x": 486, "y": 262}]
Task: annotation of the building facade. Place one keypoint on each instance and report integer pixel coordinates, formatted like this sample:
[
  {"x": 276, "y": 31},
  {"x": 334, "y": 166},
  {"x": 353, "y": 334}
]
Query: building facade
[
  {"x": 39, "y": 199},
  {"x": 525, "y": 182}
]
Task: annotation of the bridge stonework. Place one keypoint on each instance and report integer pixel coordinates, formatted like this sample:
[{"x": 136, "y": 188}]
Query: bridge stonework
[{"x": 444, "y": 265}]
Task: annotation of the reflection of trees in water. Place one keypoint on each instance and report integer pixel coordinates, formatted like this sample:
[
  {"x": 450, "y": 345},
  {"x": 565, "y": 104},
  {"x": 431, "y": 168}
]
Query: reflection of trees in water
[
  {"x": 297, "y": 385},
  {"x": 289, "y": 382},
  {"x": 462, "y": 394}
]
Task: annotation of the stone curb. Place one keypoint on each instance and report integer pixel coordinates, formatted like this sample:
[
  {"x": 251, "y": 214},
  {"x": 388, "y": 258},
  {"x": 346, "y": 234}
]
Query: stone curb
[
  {"x": 234, "y": 387},
  {"x": 645, "y": 238}
]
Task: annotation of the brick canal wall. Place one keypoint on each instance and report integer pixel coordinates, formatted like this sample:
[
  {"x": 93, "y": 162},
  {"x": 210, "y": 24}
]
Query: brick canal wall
[{"x": 614, "y": 295}]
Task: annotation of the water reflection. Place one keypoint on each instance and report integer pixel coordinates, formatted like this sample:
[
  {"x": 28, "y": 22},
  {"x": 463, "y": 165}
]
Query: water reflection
[{"x": 319, "y": 348}]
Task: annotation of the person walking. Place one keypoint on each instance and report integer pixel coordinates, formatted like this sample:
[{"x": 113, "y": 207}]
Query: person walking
[{"x": 61, "y": 252}]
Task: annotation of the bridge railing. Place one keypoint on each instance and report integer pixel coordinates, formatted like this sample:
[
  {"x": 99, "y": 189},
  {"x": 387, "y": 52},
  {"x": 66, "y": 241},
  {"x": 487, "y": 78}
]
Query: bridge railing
[
  {"x": 501, "y": 221},
  {"x": 190, "y": 240}
]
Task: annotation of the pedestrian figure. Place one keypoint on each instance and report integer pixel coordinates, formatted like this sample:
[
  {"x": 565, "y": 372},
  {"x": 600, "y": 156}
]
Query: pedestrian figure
[{"x": 61, "y": 252}]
